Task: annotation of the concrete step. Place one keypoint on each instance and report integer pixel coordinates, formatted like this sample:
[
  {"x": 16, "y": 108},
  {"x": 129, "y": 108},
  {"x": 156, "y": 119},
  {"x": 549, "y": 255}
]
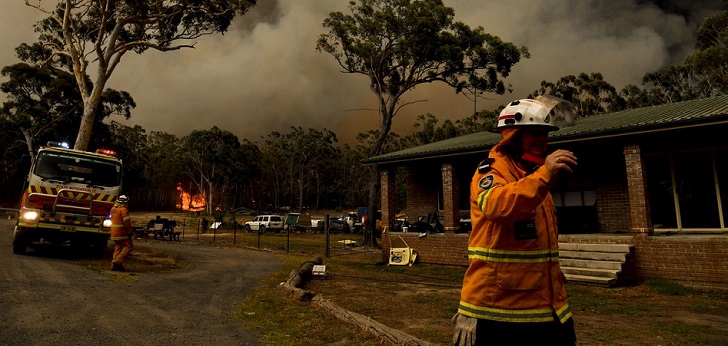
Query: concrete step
[
  {"x": 599, "y": 256},
  {"x": 593, "y": 280},
  {"x": 602, "y": 273},
  {"x": 617, "y": 248},
  {"x": 595, "y": 264},
  {"x": 583, "y": 263}
]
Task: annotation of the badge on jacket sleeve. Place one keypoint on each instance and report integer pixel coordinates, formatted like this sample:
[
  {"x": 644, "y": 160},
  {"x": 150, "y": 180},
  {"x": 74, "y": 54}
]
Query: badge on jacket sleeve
[
  {"x": 484, "y": 166},
  {"x": 486, "y": 182}
]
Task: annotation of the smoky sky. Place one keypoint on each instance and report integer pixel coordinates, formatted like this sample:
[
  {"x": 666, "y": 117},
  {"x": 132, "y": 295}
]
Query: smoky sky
[{"x": 265, "y": 74}]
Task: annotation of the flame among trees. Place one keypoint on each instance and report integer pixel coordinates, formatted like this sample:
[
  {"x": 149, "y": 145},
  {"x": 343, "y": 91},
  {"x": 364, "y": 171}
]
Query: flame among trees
[{"x": 190, "y": 202}]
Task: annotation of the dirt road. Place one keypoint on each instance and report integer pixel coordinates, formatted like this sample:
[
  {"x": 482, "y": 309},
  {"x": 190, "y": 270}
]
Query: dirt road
[{"x": 45, "y": 299}]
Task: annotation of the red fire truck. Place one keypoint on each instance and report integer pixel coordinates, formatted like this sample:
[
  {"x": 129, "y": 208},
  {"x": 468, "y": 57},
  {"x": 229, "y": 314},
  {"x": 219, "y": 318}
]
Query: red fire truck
[{"x": 67, "y": 198}]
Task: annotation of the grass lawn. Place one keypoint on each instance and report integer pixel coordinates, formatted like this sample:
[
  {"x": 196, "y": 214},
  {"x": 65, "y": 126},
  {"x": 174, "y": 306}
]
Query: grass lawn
[{"x": 420, "y": 300}]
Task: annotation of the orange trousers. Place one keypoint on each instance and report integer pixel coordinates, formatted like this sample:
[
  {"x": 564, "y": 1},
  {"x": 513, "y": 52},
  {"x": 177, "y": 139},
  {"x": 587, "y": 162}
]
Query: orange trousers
[{"x": 122, "y": 249}]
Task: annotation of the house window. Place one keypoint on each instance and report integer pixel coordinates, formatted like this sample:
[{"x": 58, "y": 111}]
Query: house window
[
  {"x": 695, "y": 188},
  {"x": 685, "y": 190}
]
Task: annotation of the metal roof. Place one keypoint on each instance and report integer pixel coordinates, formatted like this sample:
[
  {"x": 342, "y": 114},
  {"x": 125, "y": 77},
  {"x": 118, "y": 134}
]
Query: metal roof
[{"x": 692, "y": 113}]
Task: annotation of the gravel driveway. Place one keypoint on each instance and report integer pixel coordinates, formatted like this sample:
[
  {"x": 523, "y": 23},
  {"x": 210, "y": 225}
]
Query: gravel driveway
[{"x": 47, "y": 300}]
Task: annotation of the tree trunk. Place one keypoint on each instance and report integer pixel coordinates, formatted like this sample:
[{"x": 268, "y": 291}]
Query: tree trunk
[
  {"x": 90, "y": 105},
  {"x": 29, "y": 141},
  {"x": 371, "y": 224},
  {"x": 300, "y": 193},
  {"x": 209, "y": 197}
]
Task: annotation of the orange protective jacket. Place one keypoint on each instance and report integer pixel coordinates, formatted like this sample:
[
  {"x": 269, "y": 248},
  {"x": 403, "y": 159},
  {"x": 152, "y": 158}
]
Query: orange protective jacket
[
  {"x": 120, "y": 223},
  {"x": 514, "y": 273}
]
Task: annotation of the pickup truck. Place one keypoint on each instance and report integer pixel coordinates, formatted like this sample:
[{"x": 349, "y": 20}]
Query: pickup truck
[{"x": 300, "y": 222}]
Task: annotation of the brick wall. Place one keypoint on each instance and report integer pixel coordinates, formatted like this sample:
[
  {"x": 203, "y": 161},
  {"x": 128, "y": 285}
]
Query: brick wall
[
  {"x": 698, "y": 261},
  {"x": 451, "y": 198},
  {"x": 612, "y": 194},
  {"x": 388, "y": 196},
  {"x": 692, "y": 260},
  {"x": 636, "y": 183},
  {"x": 442, "y": 248},
  {"x": 613, "y": 206}
]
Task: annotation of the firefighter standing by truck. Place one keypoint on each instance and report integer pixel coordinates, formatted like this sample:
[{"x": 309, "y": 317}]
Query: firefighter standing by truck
[
  {"x": 121, "y": 233},
  {"x": 513, "y": 290}
]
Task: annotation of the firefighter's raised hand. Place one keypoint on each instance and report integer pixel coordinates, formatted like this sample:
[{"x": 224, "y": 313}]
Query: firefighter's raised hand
[{"x": 561, "y": 160}]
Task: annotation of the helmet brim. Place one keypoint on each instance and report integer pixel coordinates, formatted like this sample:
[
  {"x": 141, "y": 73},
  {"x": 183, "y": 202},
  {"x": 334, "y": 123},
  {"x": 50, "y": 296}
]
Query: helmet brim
[{"x": 550, "y": 128}]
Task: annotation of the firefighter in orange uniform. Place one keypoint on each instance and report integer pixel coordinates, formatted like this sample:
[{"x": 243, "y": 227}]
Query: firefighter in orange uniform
[
  {"x": 121, "y": 233},
  {"x": 513, "y": 290}
]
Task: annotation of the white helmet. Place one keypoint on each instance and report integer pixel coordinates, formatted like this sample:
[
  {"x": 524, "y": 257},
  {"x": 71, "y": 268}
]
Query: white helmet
[
  {"x": 122, "y": 199},
  {"x": 547, "y": 111}
]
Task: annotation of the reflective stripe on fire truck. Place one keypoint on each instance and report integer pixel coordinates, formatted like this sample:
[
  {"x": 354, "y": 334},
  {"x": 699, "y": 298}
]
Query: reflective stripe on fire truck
[
  {"x": 79, "y": 228},
  {"x": 54, "y": 191}
]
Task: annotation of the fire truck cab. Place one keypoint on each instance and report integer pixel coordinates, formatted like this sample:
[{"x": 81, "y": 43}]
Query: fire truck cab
[{"x": 67, "y": 198}]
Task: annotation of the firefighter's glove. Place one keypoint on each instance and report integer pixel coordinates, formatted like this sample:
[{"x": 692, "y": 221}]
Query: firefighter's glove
[{"x": 464, "y": 330}]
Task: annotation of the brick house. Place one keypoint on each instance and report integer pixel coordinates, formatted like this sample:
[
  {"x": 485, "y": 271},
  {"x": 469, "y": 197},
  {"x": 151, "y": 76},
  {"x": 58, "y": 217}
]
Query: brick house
[{"x": 654, "y": 179}]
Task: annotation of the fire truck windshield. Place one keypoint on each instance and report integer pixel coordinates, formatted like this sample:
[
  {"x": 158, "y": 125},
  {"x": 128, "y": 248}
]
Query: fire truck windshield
[{"x": 69, "y": 168}]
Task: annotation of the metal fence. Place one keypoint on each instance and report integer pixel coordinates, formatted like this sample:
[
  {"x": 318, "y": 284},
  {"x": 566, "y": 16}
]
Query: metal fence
[{"x": 284, "y": 241}]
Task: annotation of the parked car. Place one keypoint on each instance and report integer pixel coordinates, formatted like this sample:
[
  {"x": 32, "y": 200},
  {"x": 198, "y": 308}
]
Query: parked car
[{"x": 261, "y": 223}]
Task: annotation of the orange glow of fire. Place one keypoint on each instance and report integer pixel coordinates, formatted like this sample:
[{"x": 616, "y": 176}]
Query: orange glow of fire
[{"x": 190, "y": 202}]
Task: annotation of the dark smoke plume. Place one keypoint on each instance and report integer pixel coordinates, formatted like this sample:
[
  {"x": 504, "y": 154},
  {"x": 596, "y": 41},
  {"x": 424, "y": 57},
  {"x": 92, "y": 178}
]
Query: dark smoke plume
[{"x": 265, "y": 75}]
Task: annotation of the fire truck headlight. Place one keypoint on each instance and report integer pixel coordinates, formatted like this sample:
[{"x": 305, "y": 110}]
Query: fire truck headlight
[
  {"x": 107, "y": 223},
  {"x": 30, "y": 215}
]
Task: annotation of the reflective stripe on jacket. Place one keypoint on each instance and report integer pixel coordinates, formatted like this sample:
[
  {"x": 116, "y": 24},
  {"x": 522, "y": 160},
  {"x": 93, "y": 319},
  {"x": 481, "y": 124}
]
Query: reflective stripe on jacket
[
  {"x": 514, "y": 273},
  {"x": 120, "y": 223}
]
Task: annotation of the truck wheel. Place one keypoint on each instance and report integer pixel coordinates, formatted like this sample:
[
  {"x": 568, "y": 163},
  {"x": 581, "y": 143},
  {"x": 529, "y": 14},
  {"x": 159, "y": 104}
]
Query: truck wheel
[
  {"x": 19, "y": 244},
  {"x": 247, "y": 228},
  {"x": 261, "y": 229}
]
